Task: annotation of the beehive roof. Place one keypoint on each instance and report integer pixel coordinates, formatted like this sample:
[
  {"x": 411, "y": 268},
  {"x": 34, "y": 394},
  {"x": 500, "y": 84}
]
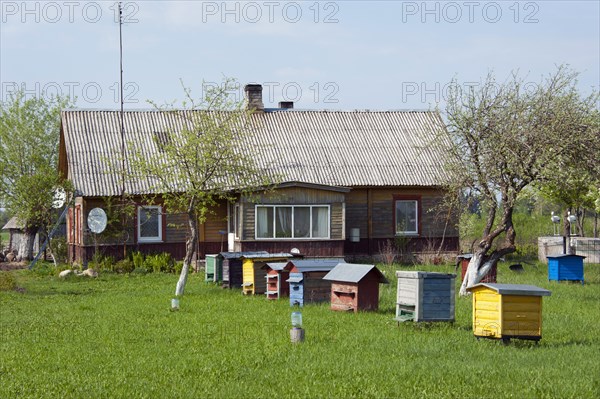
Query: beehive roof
[
  {"x": 513, "y": 289},
  {"x": 353, "y": 273}
]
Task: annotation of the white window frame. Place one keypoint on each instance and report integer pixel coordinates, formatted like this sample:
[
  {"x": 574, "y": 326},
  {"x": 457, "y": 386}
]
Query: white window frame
[
  {"x": 406, "y": 232},
  {"x": 158, "y": 238},
  {"x": 293, "y": 206}
]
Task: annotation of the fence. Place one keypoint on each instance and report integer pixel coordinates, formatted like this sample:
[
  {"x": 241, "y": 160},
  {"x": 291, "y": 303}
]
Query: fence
[{"x": 588, "y": 247}]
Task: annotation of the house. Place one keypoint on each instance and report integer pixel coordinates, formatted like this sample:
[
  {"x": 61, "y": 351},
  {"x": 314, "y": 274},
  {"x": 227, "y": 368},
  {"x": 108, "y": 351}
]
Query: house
[
  {"x": 355, "y": 287},
  {"x": 375, "y": 174}
]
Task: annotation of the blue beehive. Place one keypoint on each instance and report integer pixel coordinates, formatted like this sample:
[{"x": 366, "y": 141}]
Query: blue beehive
[
  {"x": 306, "y": 280},
  {"x": 565, "y": 267}
]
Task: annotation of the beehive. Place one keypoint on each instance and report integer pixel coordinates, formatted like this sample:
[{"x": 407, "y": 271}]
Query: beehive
[
  {"x": 355, "y": 287},
  {"x": 565, "y": 267},
  {"x": 276, "y": 280},
  {"x": 306, "y": 280},
  {"x": 213, "y": 267},
  {"x": 232, "y": 268},
  {"x": 505, "y": 311},
  {"x": 253, "y": 272},
  {"x": 425, "y": 296}
]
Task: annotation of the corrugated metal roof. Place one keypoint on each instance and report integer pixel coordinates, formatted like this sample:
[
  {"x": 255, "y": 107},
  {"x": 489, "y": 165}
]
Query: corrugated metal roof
[
  {"x": 352, "y": 273},
  {"x": 513, "y": 289},
  {"x": 336, "y": 148}
]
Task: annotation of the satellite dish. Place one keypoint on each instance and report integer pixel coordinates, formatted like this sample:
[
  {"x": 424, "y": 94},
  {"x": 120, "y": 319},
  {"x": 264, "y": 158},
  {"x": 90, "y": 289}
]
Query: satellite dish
[
  {"x": 97, "y": 220},
  {"x": 59, "y": 198}
]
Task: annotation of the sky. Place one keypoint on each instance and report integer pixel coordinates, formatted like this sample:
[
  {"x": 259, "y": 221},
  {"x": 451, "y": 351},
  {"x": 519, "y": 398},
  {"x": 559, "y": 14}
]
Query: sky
[{"x": 377, "y": 55}]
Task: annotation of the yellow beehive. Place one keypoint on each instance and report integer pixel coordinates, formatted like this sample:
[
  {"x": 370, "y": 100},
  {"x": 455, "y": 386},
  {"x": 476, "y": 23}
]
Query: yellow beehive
[
  {"x": 253, "y": 273},
  {"x": 506, "y": 311}
]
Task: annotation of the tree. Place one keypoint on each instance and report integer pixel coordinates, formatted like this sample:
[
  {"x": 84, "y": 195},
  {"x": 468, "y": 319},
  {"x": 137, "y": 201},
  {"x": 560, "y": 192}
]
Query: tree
[
  {"x": 205, "y": 161},
  {"x": 29, "y": 134},
  {"x": 508, "y": 136}
]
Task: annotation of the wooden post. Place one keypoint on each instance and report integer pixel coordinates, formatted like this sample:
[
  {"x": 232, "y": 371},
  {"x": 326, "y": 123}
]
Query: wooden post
[{"x": 297, "y": 335}]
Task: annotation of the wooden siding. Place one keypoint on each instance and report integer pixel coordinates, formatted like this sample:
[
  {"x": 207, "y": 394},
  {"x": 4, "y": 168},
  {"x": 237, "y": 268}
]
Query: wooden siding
[
  {"x": 323, "y": 249},
  {"x": 383, "y": 209},
  {"x": 311, "y": 289},
  {"x": 429, "y": 296},
  {"x": 506, "y": 316},
  {"x": 344, "y": 296}
]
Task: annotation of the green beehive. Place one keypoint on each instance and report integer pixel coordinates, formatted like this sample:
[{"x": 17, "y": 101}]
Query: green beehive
[{"x": 213, "y": 268}]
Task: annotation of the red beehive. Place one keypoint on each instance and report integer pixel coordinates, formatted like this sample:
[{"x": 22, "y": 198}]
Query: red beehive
[
  {"x": 277, "y": 276},
  {"x": 355, "y": 287}
]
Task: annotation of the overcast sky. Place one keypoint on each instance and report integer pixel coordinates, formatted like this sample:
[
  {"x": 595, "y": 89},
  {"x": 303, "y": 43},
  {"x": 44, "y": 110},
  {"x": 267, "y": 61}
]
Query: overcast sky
[{"x": 330, "y": 54}]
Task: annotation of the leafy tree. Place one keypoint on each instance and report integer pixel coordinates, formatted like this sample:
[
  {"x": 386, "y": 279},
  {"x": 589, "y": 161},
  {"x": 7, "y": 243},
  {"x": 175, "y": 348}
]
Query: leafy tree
[
  {"x": 203, "y": 162},
  {"x": 508, "y": 136},
  {"x": 29, "y": 134}
]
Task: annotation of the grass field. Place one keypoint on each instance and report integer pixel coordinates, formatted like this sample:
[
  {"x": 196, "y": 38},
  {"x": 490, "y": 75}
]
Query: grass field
[{"x": 115, "y": 337}]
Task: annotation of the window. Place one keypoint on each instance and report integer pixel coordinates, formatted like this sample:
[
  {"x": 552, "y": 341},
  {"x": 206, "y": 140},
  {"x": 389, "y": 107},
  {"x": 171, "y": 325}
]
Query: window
[
  {"x": 149, "y": 224},
  {"x": 234, "y": 220},
  {"x": 292, "y": 221},
  {"x": 407, "y": 217}
]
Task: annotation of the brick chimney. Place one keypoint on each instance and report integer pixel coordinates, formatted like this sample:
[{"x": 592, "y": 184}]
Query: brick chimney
[{"x": 254, "y": 97}]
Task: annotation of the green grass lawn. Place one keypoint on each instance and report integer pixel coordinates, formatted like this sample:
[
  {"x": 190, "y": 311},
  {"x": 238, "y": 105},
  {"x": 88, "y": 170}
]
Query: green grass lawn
[{"x": 115, "y": 337}]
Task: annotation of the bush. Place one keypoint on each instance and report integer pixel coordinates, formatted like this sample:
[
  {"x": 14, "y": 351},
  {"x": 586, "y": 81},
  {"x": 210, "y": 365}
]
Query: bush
[
  {"x": 160, "y": 263},
  {"x": 124, "y": 266},
  {"x": 177, "y": 267},
  {"x": 138, "y": 259}
]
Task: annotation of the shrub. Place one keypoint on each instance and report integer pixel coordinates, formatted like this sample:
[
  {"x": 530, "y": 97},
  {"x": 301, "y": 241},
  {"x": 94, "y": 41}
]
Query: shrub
[
  {"x": 177, "y": 267},
  {"x": 124, "y": 266},
  {"x": 160, "y": 263},
  {"x": 138, "y": 259}
]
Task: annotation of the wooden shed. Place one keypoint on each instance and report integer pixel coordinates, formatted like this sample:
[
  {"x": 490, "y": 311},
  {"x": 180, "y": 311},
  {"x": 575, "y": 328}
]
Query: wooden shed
[
  {"x": 505, "y": 311},
  {"x": 565, "y": 267},
  {"x": 253, "y": 272},
  {"x": 306, "y": 280},
  {"x": 213, "y": 267},
  {"x": 355, "y": 287},
  {"x": 425, "y": 296},
  {"x": 232, "y": 267},
  {"x": 276, "y": 279}
]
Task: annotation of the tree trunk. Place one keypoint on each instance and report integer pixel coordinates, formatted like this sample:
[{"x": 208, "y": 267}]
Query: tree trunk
[
  {"x": 479, "y": 267},
  {"x": 25, "y": 251},
  {"x": 190, "y": 251}
]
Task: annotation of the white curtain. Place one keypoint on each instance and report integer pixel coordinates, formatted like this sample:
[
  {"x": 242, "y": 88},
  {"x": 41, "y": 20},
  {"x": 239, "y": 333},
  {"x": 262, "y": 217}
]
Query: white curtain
[
  {"x": 320, "y": 222},
  {"x": 284, "y": 222},
  {"x": 264, "y": 222}
]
